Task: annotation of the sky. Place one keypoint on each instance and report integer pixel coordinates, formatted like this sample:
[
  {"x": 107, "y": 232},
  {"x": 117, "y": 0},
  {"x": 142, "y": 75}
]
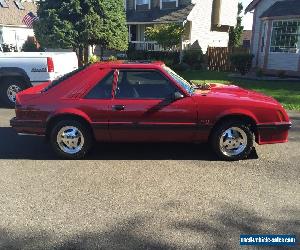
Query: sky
[{"x": 247, "y": 20}]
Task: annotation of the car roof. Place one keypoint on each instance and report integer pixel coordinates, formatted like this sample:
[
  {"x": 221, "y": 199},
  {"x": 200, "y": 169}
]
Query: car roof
[{"x": 129, "y": 64}]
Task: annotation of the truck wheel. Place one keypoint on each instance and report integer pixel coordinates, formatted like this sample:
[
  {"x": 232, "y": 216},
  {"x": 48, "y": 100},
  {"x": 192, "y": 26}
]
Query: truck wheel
[
  {"x": 71, "y": 139},
  {"x": 232, "y": 140},
  {"x": 9, "y": 89}
]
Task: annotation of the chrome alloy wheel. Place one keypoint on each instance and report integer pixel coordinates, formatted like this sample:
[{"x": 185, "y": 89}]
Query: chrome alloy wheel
[
  {"x": 233, "y": 141},
  {"x": 12, "y": 92},
  {"x": 70, "y": 139}
]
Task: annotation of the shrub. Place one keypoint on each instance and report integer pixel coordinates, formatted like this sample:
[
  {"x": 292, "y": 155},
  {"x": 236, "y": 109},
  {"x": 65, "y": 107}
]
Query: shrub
[
  {"x": 194, "y": 58},
  {"x": 94, "y": 59},
  {"x": 169, "y": 62},
  {"x": 259, "y": 73},
  {"x": 30, "y": 46},
  {"x": 181, "y": 67},
  {"x": 112, "y": 58},
  {"x": 242, "y": 62},
  {"x": 282, "y": 74},
  {"x": 9, "y": 48},
  {"x": 169, "y": 57}
]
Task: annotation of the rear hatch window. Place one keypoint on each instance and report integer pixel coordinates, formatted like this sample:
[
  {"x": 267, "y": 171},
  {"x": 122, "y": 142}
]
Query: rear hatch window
[{"x": 64, "y": 77}]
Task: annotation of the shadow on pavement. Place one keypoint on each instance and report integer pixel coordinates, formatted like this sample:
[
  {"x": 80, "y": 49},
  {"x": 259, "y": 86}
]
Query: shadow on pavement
[
  {"x": 13, "y": 146},
  {"x": 149, "y": 231}
]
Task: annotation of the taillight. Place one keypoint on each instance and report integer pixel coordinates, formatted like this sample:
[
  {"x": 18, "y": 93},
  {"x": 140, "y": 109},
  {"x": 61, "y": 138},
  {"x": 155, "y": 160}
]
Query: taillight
[{"x": 50, "y": 64}]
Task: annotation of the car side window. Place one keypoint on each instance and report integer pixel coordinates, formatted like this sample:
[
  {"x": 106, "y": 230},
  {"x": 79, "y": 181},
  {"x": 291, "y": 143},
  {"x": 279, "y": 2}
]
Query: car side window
[
  {"x": 143, "y": 84},
  {"x": 103, "y": 89}
]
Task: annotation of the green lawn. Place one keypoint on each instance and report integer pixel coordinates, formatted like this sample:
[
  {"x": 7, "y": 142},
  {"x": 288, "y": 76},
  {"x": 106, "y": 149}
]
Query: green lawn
[{"x": 286, "y": 92}]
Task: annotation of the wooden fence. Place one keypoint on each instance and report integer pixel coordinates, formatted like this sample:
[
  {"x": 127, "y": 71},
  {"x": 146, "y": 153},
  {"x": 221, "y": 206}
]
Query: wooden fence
[{"x": 218, "y": 58}]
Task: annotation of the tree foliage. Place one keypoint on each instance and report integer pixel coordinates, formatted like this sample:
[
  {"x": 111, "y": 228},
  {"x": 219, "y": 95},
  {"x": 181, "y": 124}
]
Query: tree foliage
[
  {"x": 78, "y": 23},
  {"x": 166, "y": 35},
  {"x": 235, "y": 33}
]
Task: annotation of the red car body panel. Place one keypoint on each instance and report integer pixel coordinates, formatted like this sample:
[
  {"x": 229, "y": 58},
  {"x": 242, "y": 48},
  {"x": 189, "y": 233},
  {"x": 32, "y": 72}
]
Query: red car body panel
[{"x": 189, "y": 119}]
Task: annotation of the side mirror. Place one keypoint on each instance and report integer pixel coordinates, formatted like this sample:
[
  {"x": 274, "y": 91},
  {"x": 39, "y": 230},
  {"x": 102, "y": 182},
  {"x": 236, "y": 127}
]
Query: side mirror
[{"x": 177, "y": 95}]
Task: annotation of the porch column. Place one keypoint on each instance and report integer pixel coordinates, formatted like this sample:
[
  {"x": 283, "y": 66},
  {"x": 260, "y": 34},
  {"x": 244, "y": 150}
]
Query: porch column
[
  {"x": 129, "y": 33},
  {"x": 268, "y": 43}
]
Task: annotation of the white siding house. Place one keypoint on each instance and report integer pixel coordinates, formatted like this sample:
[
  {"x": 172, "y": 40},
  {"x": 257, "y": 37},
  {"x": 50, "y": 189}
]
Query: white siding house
[
  {"x": 201, "y": 23},
  {"x": 276, "y": 36},
  {"x": 12, "y": 31},
  {"x": 206, "y": 22}
]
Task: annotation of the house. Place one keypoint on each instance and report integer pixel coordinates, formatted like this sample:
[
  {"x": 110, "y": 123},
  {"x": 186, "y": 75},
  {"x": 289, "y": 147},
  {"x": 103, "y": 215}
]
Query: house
[
  {"x": 12, "y": 31},
  {"x": 246, "y": 39},
  {"x": 276, "y": 36},
  {"x": 206, "y": 22}
]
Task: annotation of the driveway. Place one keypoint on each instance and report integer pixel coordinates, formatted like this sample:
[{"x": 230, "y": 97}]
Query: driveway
[{"x": 138, "y": 196}]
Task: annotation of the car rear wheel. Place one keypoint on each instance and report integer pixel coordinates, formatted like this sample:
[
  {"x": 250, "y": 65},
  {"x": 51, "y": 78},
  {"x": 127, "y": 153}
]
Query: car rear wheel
[
  {"x": 232, "y": 140},
  {"x": 9, "y": 90},
  {"x": 71, "y": 139}
]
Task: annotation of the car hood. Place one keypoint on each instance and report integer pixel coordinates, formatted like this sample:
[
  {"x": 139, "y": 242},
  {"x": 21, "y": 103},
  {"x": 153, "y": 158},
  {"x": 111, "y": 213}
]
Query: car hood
[{"x": 232, "y": 91}]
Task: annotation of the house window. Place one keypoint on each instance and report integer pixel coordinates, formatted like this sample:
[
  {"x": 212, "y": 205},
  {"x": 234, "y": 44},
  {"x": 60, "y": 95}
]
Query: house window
[
  {"x": 168, "y": 4},
  {"x": 142, "y": 4},
  {"x": 3, "y": 4},
  {"x": 285, "y": 36}
]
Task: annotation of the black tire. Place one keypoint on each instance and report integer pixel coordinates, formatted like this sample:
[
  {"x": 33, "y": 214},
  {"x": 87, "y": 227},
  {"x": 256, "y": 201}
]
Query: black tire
[
  {"x": 221, "y": 129},
  {"x": 85, "y": 132},
  {"x": 10, "y": 84}
]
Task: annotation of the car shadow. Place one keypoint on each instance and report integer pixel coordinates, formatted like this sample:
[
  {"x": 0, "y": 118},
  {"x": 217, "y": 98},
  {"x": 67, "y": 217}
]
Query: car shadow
[{"x": 13, "y": 146}]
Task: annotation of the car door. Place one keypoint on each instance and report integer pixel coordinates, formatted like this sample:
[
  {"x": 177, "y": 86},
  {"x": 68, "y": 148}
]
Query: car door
[
  {"x": 97, "y": 104},
  {"x": 143, "y": 109}
]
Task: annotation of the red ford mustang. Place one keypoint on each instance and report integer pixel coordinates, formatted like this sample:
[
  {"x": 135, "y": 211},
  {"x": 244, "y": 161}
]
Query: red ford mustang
[{"x": 147, "y": 102}]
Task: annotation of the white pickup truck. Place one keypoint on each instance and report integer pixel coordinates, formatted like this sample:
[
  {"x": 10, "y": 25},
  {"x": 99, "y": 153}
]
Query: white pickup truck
[{"x": 21, "y": 70}]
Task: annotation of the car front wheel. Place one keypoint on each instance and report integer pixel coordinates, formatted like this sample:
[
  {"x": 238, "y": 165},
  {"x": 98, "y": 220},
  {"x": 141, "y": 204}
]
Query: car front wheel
[
  {"x": 232, "y": 140},
  {"x": 71, "y": 139}
]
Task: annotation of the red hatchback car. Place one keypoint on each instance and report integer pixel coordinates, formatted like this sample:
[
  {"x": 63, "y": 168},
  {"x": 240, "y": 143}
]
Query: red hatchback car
[{"x": 147, "y": 102}]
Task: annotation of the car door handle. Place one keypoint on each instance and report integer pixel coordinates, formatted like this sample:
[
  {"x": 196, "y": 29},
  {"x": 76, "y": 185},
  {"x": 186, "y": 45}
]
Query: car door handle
[{"x": 118, "y": 107}]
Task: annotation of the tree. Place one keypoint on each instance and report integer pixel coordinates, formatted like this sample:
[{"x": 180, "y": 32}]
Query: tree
[
  {"x": 235, "y": 33},
  {"x": 166, "y": 35},
  {"x": 79, "y": 23}
]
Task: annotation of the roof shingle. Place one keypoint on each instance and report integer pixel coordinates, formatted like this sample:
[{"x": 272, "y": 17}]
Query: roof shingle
[
  {"x": 159, "y": 16},
  {"x": 285, "y": 8},
  {"x": 13, "y": 15}
]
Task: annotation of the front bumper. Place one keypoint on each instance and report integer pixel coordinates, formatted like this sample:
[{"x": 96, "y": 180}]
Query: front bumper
[
  {"x": 33, "y": 127},
  {"x": 270, "y": 133}
]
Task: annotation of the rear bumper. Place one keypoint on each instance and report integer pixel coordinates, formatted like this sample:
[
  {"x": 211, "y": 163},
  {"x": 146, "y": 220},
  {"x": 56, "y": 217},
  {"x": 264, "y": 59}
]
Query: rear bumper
[
  {"x": 35, "y": 127},
  {"x": 273, "y": 132}
]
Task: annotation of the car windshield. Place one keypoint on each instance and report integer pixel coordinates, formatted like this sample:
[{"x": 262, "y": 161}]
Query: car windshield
[
  {"x": 183, "y": 83},
  {"x": 64, "y": 77}
]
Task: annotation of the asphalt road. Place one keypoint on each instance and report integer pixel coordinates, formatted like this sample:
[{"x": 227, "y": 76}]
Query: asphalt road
[{"x": 144, "y": 196}]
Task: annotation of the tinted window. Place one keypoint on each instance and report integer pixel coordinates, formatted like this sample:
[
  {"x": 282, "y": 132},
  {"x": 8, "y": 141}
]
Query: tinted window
[
  {"x": 143, "y": 85},
  {"x": 103, "y": 89}
]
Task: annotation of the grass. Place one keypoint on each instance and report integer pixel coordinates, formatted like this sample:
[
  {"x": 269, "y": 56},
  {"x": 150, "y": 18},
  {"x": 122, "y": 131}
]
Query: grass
[{"x": 286, "y": 92}]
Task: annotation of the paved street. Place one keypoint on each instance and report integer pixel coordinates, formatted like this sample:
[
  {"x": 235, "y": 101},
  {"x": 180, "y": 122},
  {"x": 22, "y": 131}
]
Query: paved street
[{"x": 144, "y": 196}]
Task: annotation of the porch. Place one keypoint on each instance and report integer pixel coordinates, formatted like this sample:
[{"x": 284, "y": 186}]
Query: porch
[{"x": 138, "y": 40}]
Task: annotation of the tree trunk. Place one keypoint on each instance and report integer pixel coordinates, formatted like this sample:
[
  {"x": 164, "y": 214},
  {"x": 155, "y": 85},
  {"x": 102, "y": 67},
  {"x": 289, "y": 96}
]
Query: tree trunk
[
  {"x": 80, "y": 56},
  {"x": 101, "y": 52}
]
